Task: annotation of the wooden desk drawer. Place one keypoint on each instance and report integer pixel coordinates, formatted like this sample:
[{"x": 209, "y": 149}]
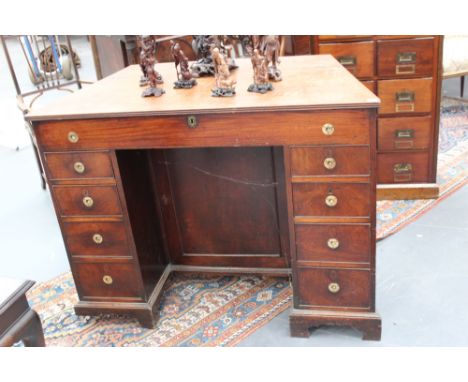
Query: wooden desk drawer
[
  {"x": 404, "y": 133},
  {"x": 96, "y": 239},
  {"x": 333, "y": 242},
  {"x": 108, "y": 281},
  {"x": 371, "y": 85},
  {"x": 403, "y": 167},
  {"x": 405, "y": 96},
  {"x": 100, "y": 200},
  {"x": 352, "y": 199},
  {"x": 330, "y": 160},
  {"x": 251, "y": 129},
  {"x": 342, "y": 288},
  {"x": 79, "y": 165},
  {"x": 408, "y": 57},
  {"x": 357, "y": 57}
]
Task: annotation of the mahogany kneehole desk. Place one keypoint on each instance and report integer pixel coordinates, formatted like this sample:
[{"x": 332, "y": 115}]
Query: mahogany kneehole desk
[{"x": 277, "y": 183}]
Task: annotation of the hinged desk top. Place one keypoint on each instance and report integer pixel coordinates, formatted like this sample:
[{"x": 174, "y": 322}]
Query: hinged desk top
[{"x": 309, "y": 82}]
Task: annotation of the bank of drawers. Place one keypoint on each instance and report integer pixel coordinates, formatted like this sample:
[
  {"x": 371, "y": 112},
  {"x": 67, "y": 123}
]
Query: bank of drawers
[
  {"x": 333, "y": 203},
  {"x": 402, "y": 71},
  {"x": 86, "y": 197}
]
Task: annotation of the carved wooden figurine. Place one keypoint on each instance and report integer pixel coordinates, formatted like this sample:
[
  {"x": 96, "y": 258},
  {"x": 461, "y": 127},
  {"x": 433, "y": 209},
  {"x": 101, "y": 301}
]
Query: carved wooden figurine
[
  {"x": 271, "y": 47},
  {"x": 224, "y": 85},
  {"x": 260, "y": 69},
  {"x": 184, "y": 77},
  {"x": 147, "y": 61}
]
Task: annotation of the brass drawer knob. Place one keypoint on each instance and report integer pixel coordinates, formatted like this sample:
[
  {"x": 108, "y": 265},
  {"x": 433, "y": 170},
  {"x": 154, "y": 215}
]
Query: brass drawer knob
[
  {"x": 333, "y": 243},
  {"x": 334, "y": 287},
  {"x": 331, "y": 200},
  {"x": 329, "y": 163},
  {"x": 328, "y": 129},
  {"x": 107, "y": 280},
  {"x": 73, "y": 137},
  {"x": 88, "y": 201},
  {"x": 79, "y": 167},
  {"x": 97, "y": 238}
]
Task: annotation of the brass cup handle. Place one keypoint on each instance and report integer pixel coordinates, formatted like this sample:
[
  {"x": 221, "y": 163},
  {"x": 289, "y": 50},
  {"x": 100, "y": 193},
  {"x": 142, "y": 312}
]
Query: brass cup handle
[
  {"x": 331, "y": 200},
  {"x": 334, "y": 287},
  {"x": 107, "y": 280},
  {"x": 88, "y": 201},
  {"x": 73, "y": 137},
  {"x": 329, "y": 163},
  {"x": 79, "y": 167},
  {"x": 97, "y": 238},
  {"x": 333, "y": 243},
  {"x": 328, "y": 129}
]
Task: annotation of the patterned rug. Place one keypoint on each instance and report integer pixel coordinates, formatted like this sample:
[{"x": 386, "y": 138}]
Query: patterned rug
[
  {"x": 452, "y": 171},
  {"x": 196, "y": 310}
]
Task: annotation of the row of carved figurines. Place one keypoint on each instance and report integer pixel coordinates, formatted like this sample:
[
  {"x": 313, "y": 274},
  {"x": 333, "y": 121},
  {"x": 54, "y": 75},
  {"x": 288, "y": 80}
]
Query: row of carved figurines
[{"x": 264, "y": 52}]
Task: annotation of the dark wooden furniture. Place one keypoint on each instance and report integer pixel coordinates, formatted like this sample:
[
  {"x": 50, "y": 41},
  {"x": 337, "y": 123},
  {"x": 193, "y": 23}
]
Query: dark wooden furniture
[
  {"x": 405, "y": 72},
  {"x": 18, "y": 322},
  {"x": 189, "y": 182}
]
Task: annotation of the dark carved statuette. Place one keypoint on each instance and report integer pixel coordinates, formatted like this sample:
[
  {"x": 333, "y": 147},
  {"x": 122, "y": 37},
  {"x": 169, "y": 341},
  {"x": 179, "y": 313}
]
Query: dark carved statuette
[
  {"x": 260, "y": 76},
  {"x": 270, "y": 47},
  {"x": 185, "y": 79},
  {"x": 224, "y": 84},
  {"x": 202, "y": 45},
  {"x": 147, "y": 62}
]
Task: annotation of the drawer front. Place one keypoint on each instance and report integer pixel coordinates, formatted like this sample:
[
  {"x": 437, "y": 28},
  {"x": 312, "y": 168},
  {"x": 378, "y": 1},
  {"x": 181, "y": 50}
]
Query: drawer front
[
  {"x": 104, "y": 281},
  {"x": 404, "y": 133},
  {"x": 87, "y": 200},
  {"x": 403, "y": 167},
  {"x": 235, "y": 129},
  {"x": 330, "y": 160},
  {"x": 409, "y": 57},
  {"x": 79, "y": 165},
  {"x": 96, "y": 239},
  {"x": 357, "y": 57},
  {"x": 333, "y": 242},
  {"x": 342, "y": 288},
  {"x": 331, "y": 199},
  {"x": 370, "y": 85},
  {"x": 405, "y": 96}
]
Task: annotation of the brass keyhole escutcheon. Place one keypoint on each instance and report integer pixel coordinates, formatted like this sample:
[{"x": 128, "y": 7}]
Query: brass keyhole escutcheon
[
  {"x": 333, "y": 243},
  {"x": 331, "y": 200},
  {"x": 73, "y": 137},
  {"x": 88, "y": 201},
  {"x": 334, "y": 287},
  {"x": 329, "y": 163},
  {"x": 107, "y": 280},
  {"x": 328, "y": 129},
  {"x": 97, "y": 238},
  {"x": 79, "y": 167},
  {"x": 192, "y": 121}
]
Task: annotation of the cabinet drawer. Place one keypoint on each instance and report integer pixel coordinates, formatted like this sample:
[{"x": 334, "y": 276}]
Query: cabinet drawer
[
  {"x": 404, "y": 133},
  {"x": 342, "y": 288},
  {"x": 76, "y": 165},
  {"x": 87, "y": 200},
  {"x": 357, "y": 57},
  {"x": 330, "y": 160},
  {"x": 108, "y": 281},
  {"x": 331, "y": 199},
  {"x": 370, "y": 85},
  {"x": 409, "y": 57},
  {"x": 405, "y": 96},
  {"x": 96, "y": 239},
  {"x": 333, "y": 242},
  {"x": 403, "y": 167}
]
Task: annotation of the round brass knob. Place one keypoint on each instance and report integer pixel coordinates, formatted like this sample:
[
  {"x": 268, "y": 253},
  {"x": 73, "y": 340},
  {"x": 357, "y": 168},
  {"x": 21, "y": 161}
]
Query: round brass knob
[
  {"x": 79, "y": 167},
  {"x": 73, "y": 137},
  {"x": 329, "y": 163},
  {"x": 88, "y": 201},
  {"x": 334, "y": 287},
  {"x": 107, "y": 280},
  {"x": 328, "y": 129},
  {"x": 331, "y": 200},
  {"x": 97, "y": 238},
  {"x": 333, "y": 243}
]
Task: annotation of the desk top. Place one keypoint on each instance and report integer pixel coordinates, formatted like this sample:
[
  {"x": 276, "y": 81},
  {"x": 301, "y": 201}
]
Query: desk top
[{"x": 309, "y": 82}]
